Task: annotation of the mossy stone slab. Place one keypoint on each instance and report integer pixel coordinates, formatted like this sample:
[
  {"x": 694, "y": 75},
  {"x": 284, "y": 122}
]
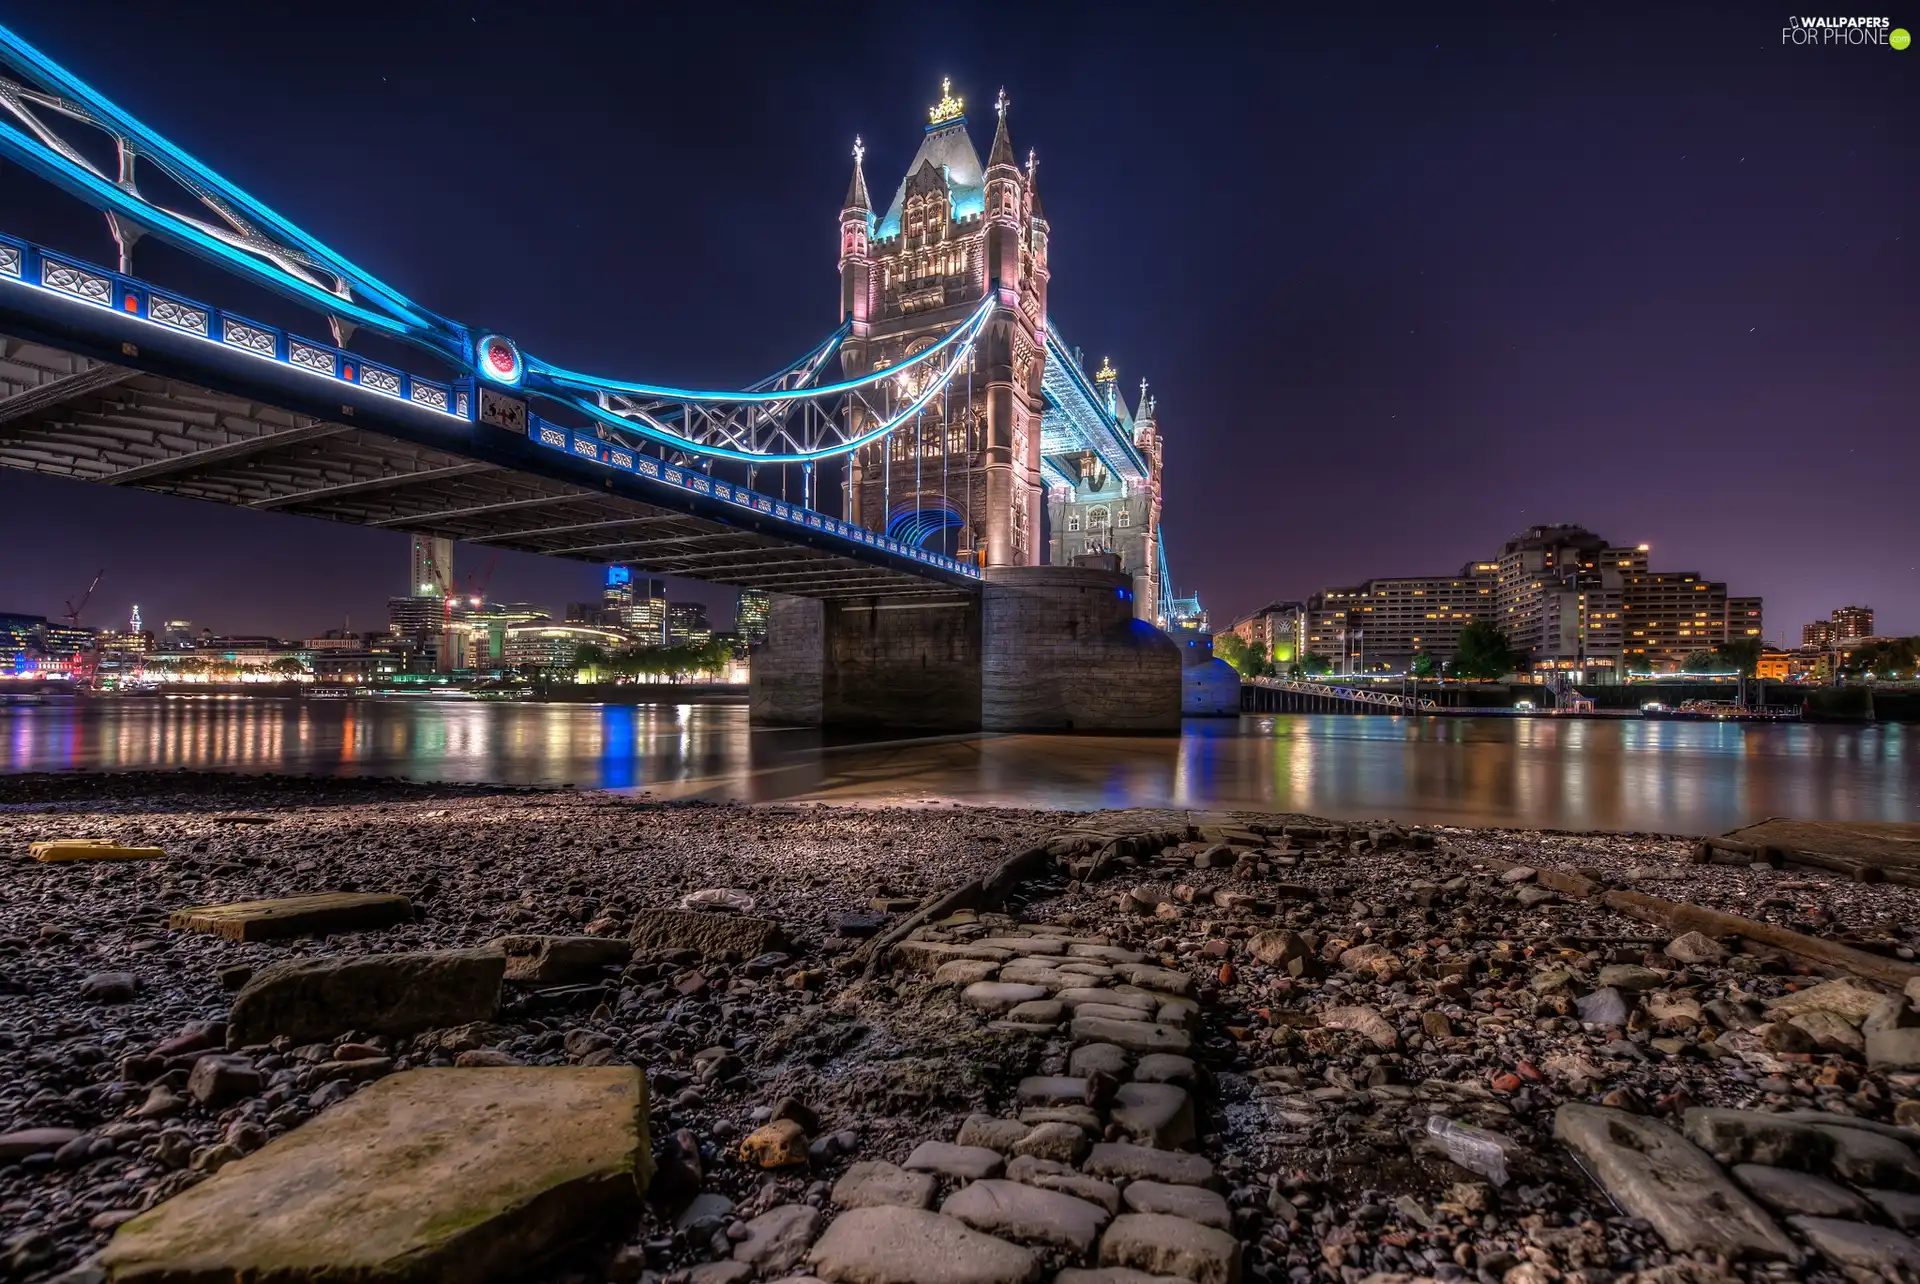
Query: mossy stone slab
[{"x": 462, "y": 1176}]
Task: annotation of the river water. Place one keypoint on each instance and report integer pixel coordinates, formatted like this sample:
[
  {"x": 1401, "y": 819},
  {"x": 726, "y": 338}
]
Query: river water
[{"x": 1672, "y": 777}]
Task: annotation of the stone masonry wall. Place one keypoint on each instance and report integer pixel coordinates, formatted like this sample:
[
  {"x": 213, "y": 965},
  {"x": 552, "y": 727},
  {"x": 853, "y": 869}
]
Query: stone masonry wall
[{"x": 1063, "y": 652}]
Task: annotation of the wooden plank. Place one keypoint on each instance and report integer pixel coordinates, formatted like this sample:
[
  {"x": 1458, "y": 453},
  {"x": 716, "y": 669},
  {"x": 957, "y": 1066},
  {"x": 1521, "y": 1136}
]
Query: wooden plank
[
  {"x": 311, "y": 915},
  {"x": 63, "y": 850},
  {"x": 1678, "y": 917}
]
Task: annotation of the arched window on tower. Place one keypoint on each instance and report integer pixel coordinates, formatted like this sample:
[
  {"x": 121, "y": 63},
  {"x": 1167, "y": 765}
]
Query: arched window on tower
[
  {"x": 1073, "y": 521},
  {"x": 1097, "y": 517},
  {"x": 1125, "y": 518}
]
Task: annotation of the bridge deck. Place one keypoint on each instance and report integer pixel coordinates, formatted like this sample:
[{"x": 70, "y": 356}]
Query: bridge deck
[{"x": 71, "y": 415}]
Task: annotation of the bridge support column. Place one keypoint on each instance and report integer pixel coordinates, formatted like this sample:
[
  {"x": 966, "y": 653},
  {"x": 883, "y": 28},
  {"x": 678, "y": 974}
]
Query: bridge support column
[
  {"x": 869, "y": 662},
  {"x": 1043, "y": 648}
]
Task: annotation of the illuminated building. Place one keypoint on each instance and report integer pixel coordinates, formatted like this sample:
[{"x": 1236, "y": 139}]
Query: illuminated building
[
  {"x": 1774, "y": 666},
  {"x": 1745, "y": 619},
  {"x": 687, "y": 625},
  {"x": 484, "y": 626},
  {"x": 634, "y": 606},
  {"x": 555, "y": 648},
  {"x": 1380, "y": 625},
  {"x": 1566, "y": 599},
  {"x": 1093, "y": 511},
  {"x": 1277, "y": 629},
  {"x": 1817, "y": 635},
  {"x": 1852, "y": 623},
  {"x": 1671, "y": 615},
  {"x": 175, "y": 634},
  {"x": 750, "y": 615},
  {"x": 432, "y": 567}
]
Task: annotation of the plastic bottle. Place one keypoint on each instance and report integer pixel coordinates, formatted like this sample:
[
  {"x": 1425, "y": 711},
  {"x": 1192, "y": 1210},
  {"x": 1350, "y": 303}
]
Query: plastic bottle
[{"x": 1474, "y": 1149}]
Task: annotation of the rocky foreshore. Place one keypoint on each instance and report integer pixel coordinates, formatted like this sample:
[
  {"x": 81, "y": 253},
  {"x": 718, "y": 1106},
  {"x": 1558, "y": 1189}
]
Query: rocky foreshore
[{"x": 823, "y": 1045}]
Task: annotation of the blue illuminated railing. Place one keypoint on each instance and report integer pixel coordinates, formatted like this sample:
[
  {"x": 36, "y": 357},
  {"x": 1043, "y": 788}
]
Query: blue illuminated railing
[{"x": 66, "y": 277}]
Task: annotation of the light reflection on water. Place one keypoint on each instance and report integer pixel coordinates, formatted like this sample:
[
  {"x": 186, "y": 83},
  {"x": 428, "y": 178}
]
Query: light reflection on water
[{"x": 1575, "y": 774}]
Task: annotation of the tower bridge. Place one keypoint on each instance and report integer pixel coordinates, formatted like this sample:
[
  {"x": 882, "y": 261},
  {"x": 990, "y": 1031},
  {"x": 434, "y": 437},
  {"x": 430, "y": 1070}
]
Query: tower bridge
[{"x": 963, "y": 525}]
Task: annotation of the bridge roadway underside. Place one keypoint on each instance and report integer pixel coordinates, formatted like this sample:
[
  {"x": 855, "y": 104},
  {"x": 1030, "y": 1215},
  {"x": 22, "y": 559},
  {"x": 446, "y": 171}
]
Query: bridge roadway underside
[{"x": 68, "y": 415}]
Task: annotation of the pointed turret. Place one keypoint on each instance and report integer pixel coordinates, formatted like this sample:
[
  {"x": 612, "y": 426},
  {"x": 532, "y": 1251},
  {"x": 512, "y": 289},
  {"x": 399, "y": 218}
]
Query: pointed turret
[
  {"x": 1033, "y": 186},
  {"x": 856, "y": 234},
  {"x": 857, "y": 190},
  {"x": 1002, "y": 153}
]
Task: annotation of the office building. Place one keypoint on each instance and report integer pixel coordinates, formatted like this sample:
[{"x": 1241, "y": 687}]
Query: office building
[
  {"x": 1670, "y": 616},
  {"x": 1817, "y": 636},
  {"x": 750, "y": 615},
  {"x": 1379, "y": 626},
  {"x": 634, "y": 605},
  {"x": 1852, "y": 623},
  {"x": 555, "y": 648},
  {"x": 687, "y": 624},
  {"x": 432, "y": 573},
  {"x": 1744, "y": 620}
]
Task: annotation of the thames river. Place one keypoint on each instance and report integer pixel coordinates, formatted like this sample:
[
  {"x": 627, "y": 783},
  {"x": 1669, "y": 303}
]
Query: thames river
[{"x": 1672, "y": 777}]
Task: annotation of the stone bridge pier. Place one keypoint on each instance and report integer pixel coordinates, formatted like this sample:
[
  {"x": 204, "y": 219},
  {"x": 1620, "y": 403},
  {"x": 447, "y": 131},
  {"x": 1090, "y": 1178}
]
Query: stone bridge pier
[{"x": 1042, "y": 648}]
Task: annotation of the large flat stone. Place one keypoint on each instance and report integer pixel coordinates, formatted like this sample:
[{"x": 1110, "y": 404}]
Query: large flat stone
[
  {"x": 913, "y": 1246},
  {"x": 928, "y": 956},
  {"x": 1870, "y": 1248},
  {"x": 1028, "y": 1214},
  {"x": 774, "y": 1242},
  {"x": 1757, "y": 1137},
  {"x": 1154, "y": 1114},
  {"x": 1872, "y": 1159},
  {"x": 559, "y": 960},
  {"x": 1163, "y": 1245},
  {"x": 309, "y": 1000},
  {"x": 965, "y": 1163},
  {"x": 1051, "y": 1090},
  {"x": 1139, "y": 1001},
  {"x": 1135, "y": 1163},
  {"x": 875, "y": 1183},
  {"x": 1050, "y": 1174},
  {"x": 311, "y": 915},
  {"x": 463, "y": 1175},
  {"x": 1164, "y": 979},
  {"x": 1786, "y": 1191},
  {"x": 705, "y": 932},
  {"x": 1000, "y": 996},
  {"x": 1195, "y": 1203},
  {"x": 1112, "y": 1275},
  {"x": 1653, "y": 1172},
  {"x": 1134, "y": 1036}
]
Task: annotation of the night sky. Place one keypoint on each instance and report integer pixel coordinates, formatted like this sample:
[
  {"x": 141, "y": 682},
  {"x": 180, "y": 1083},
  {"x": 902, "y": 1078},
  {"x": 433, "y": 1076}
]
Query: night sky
[{"x": 1404, "y": 283}]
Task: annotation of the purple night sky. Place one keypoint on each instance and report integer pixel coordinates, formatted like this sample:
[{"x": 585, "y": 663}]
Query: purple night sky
[{"x": 1404, "y": 284}]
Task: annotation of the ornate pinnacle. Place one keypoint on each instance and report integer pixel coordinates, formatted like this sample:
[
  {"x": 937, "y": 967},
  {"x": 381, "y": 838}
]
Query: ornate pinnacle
[
  {"x": 948, "y": 108},
  {"x": 1001, "y": 103},
  {"x": 859, "y": 150},
  {"x": 1106, "y": 373}
]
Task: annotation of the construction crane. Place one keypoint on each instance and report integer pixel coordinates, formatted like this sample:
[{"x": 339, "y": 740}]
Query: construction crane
[
  {"x": 477, "y": 593},
  {"x": 73, "y": 612},
  {"x": 86, "y": 660}
]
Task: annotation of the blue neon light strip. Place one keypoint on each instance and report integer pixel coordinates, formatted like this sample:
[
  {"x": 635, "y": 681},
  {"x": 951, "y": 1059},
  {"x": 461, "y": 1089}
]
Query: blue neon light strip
[
  {"x": 568, "y": 380},
  {"x": 586, "y": 446},
  {"x": 84, "y": 284}
]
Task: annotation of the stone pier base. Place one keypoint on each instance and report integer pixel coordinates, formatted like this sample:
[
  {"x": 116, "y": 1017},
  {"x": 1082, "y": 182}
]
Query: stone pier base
[{"x": 1041, "y": 648}]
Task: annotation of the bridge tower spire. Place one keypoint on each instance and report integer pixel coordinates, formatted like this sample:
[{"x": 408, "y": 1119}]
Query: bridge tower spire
[{"x": 856, "y": 231}]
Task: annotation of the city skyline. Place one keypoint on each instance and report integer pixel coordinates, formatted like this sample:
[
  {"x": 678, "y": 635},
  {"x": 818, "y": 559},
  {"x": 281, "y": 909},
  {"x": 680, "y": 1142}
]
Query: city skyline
[{"x": 1619, "y": 302}]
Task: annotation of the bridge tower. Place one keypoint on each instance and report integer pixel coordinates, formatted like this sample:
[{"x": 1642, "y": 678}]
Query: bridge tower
[{"x": 965, "y": 478}]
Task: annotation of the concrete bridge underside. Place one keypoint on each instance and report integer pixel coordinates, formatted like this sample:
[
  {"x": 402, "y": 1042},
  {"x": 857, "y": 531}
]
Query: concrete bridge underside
[{"x": 68, "y": 415}]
